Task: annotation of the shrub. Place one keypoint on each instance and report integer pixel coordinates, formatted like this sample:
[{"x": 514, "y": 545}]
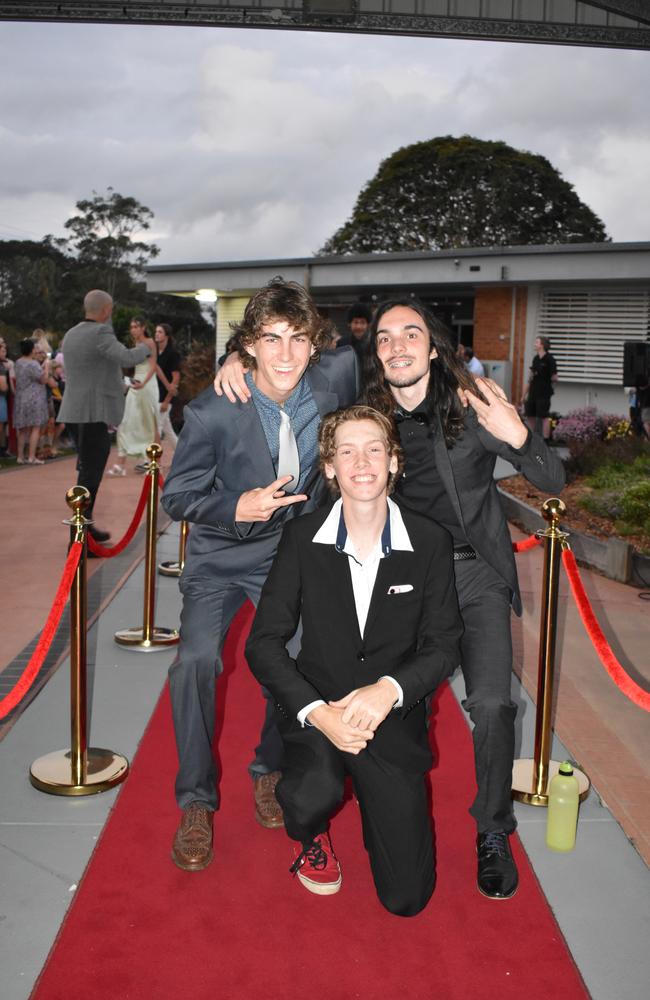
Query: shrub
[
  {"x": 618, "y": 452},
  {"x": 197, "y": 371},
  {"x": 605, "y": 503},
  {"x": 635, "y": 503},
  {"x": 582, "y": 427},
  {"x": 615, "y": 474}
]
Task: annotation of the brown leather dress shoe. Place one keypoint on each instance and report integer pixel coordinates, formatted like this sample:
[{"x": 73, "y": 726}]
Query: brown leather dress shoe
[
  {"x": 192, "y": 847},
  {"x": 267, "y": 807}
]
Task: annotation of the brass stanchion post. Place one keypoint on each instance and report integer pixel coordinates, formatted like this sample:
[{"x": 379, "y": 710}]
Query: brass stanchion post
[
  {"x": 530, "y": 778},
  {"x": 79, "y": 770},
  {"x": 176, "y": 568},
  {"x": 149, "y": 638}
]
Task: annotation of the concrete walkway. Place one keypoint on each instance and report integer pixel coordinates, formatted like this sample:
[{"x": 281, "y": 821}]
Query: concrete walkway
[{"x": 599, "y": 893}]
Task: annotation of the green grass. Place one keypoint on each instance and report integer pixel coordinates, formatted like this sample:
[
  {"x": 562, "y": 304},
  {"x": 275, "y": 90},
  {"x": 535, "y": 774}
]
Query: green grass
[{"x": 620, "y": 492}]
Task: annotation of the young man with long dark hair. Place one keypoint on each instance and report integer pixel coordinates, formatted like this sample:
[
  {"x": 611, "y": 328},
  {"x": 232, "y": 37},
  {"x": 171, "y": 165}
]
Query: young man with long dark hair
[{"x": 450, "y": 449}]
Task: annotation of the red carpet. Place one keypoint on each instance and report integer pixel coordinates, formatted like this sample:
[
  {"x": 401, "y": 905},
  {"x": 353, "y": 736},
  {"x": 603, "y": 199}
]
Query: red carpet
[{"x": 140, "y": 929}]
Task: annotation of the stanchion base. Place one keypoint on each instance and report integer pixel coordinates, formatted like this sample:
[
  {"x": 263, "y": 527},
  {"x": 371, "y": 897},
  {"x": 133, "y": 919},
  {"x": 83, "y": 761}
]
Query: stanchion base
[
  {"x": 133, "y": 638},
  {"x": 170, "y": 569},
  {"x": 523, "y": 788},
  {"x": 53, "y": 773}
]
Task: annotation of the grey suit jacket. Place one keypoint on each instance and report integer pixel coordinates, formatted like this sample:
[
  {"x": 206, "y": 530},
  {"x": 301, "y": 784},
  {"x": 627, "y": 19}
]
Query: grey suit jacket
[
  {"x": 94, "y": 359},
  {"x": 221, "y": 453}
]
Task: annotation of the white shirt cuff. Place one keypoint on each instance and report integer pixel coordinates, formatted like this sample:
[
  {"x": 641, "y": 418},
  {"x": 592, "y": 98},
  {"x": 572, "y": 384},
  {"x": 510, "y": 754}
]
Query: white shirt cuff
[
  {"x": 304, "y": 712},
  {"x": 398, "y": 687}
]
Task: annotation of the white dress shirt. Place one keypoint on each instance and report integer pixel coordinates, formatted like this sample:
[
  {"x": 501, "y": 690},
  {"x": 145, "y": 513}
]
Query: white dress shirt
[{"x": 363, "y": 574}]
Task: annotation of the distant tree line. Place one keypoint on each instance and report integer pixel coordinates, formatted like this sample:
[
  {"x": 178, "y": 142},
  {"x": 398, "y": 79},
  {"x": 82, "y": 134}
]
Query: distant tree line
[{"x": 43, "y": 283}]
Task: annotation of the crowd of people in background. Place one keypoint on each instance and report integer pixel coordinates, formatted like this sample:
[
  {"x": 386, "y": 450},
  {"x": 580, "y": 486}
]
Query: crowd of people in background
[
  {"x": 32, "y": 386},
  {"x": 30, "y": 394}
]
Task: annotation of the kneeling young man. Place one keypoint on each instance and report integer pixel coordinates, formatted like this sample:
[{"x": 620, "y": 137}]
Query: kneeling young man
[{"x": 375, "y": 589}]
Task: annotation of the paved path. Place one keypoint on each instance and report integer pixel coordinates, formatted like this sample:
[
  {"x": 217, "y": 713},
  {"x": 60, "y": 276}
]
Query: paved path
[
  {"x": 605, "y": 733},
  {"x": 34, "y": 540}
]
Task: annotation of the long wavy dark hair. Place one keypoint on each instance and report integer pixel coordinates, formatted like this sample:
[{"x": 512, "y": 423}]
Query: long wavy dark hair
[{"x": 447, "y": 373}]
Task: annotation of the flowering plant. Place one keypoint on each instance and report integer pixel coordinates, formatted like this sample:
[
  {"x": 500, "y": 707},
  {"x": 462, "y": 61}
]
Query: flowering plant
[{"x": 581, "y": 427}]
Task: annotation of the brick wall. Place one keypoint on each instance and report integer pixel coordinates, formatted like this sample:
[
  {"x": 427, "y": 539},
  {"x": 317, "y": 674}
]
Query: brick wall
[
  {"x": 492, "y": 321},
  {"x": 493, "y": 324}
]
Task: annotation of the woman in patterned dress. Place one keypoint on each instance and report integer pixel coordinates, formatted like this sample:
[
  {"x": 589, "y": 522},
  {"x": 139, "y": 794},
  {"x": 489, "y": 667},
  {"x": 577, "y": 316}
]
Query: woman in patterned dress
[{"x": 30, "y": 408}]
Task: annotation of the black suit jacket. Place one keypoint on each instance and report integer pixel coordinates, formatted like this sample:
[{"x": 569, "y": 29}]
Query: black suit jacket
[
  {"x": 412, "y": 636},
  {"x": 467, "y": 471},
  {"x": 222, "y": 452}
]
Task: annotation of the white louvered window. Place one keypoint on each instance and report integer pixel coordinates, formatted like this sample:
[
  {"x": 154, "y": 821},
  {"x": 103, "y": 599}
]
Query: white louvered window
[{"x": 588, "y": 329}]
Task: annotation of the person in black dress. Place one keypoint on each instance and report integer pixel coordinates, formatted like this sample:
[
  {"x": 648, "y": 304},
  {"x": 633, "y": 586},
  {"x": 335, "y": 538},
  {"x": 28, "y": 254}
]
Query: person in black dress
[{"x": 537, "y": 396}]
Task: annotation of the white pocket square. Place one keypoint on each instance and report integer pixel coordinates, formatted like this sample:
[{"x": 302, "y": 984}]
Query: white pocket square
[{"x": 400, "y": 588}]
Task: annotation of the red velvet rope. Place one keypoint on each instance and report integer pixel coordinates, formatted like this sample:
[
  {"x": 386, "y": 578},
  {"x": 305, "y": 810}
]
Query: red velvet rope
[
  {"x": 526, "y": 543},
  {"x": 114, "y": 550},
  {"x": 30, "y": 672},
  {"x": 622, "y": 680}
]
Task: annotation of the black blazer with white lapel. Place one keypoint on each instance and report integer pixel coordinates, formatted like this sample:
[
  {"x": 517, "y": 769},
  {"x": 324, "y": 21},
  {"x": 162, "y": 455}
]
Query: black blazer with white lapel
[
  {"x": 222, "y": 452},
  {"x": 467, "y": 472},
  {"x": 412, "y": 635}
]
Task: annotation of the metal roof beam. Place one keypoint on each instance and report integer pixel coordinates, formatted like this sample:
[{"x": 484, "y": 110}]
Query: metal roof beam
[
  {"x": 367, "y": 17},
  {"x": 636, "y": 9}
]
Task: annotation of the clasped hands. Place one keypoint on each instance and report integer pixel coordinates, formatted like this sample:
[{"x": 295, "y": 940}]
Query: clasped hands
[{"x": 350, "y": 723}]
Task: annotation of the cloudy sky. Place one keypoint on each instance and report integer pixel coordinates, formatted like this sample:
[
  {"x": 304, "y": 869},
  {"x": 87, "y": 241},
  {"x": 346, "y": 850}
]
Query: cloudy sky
[{"x": 252, "y": 144}]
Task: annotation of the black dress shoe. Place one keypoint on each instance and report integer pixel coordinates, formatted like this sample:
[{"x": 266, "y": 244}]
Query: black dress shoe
[
  {"x": 497, "y": 872},
  {"x": 99, "y": 536}
]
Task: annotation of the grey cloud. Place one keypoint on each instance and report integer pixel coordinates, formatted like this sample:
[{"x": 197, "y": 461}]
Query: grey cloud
[{"x": 249, "y": 144}]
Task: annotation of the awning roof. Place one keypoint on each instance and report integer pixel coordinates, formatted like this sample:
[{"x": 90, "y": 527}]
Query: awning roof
[{"x": 608, "y": 23}]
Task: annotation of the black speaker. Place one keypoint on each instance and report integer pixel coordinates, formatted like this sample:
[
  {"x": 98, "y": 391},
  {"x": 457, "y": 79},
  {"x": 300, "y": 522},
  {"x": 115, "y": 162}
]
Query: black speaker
[{"x": 636, "y": 362}]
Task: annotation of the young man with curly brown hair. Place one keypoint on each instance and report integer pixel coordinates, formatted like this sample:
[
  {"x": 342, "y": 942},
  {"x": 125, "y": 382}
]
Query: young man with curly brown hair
[{"x": 240, "y": 472}]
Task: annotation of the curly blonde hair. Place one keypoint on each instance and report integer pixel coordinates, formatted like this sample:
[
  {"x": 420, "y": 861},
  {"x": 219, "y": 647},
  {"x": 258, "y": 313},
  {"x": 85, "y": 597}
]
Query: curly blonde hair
[{"x": 327, "y": 440}]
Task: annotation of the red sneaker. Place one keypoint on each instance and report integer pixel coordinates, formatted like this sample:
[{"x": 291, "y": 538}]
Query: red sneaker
[{"x": 317, "y": 867}]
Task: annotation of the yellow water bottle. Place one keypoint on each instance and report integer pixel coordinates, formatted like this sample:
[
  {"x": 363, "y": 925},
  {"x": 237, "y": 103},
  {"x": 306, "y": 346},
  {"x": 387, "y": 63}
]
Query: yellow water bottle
[{"x": 563, "y": 801}]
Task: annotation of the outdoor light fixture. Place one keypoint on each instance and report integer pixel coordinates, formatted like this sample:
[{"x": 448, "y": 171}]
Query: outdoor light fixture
[{"x": 206, "y": 296}]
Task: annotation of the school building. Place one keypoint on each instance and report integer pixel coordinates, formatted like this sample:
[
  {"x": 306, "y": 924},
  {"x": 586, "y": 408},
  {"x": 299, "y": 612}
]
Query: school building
[{"x": 588, "y": 298}]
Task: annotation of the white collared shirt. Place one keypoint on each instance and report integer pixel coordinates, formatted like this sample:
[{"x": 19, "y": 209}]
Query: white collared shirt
[{"x": 363, "y": 574}]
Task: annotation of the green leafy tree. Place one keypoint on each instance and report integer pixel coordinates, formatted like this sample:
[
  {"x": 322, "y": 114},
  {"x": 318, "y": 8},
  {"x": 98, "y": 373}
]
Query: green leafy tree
[
  {"x": 34, "y": 281},
  {"x": 449, "y": 192},
  {"x": 43, "y": 285},
  {"x": 104, "y": 235}
]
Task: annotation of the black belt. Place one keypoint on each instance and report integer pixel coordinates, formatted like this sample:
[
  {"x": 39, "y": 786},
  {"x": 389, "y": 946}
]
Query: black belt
[{"x": 462, "y": 552}]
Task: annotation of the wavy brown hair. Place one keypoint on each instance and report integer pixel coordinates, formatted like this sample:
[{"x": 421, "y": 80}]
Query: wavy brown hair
[
  {"x": 327, "y": 439},
  {"x": 285, "y": 301},
  {"x": 447, "y": 373}
]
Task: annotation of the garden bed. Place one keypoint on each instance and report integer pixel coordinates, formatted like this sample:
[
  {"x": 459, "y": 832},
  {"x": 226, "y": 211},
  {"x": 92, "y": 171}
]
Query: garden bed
[
  {"x": 575, "y": 518},
  {"x": 607, "y": 496}
]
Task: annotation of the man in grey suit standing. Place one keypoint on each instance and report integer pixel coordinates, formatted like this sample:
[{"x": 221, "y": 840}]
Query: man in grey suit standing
[
  {"x": 94, "y": 394},
  {"x": 224, "y": 452}
]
